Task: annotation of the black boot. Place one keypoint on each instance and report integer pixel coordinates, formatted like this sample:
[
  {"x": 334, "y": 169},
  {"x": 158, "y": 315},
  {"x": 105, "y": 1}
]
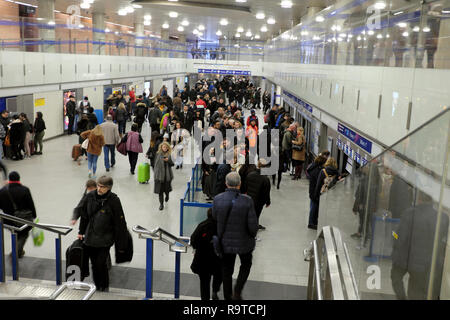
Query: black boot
[{"x": 161, "y": 206}]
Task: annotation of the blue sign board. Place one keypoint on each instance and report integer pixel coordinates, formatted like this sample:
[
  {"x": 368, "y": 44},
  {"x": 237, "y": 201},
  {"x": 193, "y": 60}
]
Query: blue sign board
[
  {"x": 229, "y": 72},
  {"x": 298, "y": 101},
  {"x": 355, "y": 138}
]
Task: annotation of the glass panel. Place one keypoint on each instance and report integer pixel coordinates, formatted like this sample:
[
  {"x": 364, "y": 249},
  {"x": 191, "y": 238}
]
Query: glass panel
[
  {"x": 192, "y": 216},
  {"x": 388, "y": 213}
]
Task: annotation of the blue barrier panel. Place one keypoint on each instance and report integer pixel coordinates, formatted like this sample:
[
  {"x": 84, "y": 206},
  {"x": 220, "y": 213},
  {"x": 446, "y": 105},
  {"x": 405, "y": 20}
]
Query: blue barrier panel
[
  {"x": 177, "y": 274},
  {"x": 58, "y": 261},
  {"x": 99, "y": 114},
  {"x": 149, "y": 270},
  {"x": 14, "y": 255}
]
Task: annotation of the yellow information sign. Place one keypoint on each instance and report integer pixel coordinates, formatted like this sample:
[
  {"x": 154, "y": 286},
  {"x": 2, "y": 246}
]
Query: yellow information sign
[{"x": 39, "y": 102}]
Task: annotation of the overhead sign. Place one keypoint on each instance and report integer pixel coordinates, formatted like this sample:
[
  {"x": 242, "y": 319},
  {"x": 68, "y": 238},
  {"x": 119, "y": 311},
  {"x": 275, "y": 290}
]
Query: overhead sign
[
  {"x": 297, "y": 101},
  {"x": 363, "y": 143},
  {"x": 226, "y": 72}
]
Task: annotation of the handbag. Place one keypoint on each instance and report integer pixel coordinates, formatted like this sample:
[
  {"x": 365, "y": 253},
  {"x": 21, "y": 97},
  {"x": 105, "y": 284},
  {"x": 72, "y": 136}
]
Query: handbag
[
  {"x": 122, "y": 148},
  {"x": 85, "y": 144},
  {"x": 127, "y": 254},
  {"x": 38, "y": 235},
  {"x": 24, "y": 214},
  {"x": 217, "y": 242},
  {"x": 7, "y": 142},
  {"x": 297, "y": 147}
]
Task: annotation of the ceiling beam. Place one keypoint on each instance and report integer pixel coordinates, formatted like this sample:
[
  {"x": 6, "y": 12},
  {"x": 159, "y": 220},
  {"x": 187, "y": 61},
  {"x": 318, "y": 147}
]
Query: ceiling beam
[{"x": 193, "y": 4}]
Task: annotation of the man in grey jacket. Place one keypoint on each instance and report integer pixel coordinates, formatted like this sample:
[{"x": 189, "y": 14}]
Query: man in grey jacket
[
  {"x": 112, "y": 138},
  {"x": 237, "y": 226}
]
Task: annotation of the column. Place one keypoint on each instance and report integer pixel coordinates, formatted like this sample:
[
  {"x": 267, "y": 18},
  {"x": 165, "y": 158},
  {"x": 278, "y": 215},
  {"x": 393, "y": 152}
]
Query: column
[
  {"x": 139, "y": 32},
  {"x": 182, "y": 46},
  {"x": 442, "y": 33},
  {"x": 278, "y": 96},
  {"x": 46, "y": 12},
  {"x": 164, "y": 44},
  {"x": 98, "y": 33}
]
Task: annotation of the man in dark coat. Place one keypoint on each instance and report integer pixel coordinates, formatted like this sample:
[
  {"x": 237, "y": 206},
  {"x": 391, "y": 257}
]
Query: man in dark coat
[
  {"x": 313, "y": 172},
  {"x": 154, "y": 117},
  {"x": 206, "y": 263},
  {"x": 187, "y": 118},
  {"x": 92, "y": 119},
  {"x": 272, "y": 116},
  {"x": 140, "y": 112},
  {"x": 237, "y": 226},
  {"x": 15, "y": 194},
  {"x": 102, "y": 225},
  {"x": 258, "y": 188},
  {"x": 70, "y": 112}
]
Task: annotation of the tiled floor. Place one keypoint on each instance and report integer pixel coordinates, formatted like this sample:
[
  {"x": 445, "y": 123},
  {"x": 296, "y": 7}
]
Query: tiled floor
[{"x": 57, "y": 182}]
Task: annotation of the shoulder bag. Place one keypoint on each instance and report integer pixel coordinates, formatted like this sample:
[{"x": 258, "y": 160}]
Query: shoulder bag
[
  {"x": 217, "y": 242},
  {"x": 24, "y": 214}
]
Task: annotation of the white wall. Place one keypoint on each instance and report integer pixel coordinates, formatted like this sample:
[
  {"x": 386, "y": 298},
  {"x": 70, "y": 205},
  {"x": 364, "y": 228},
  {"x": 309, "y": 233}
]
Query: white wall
[
  {"x": 53, "y": 112},
  {"x": 157, "y": 85},
  {"x": 95, "y": 95}
]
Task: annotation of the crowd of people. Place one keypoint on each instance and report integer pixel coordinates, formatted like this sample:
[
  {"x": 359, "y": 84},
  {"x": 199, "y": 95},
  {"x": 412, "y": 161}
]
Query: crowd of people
[
  {"x": 210, "y": 54},
  {"x": 232, "y": 177}
]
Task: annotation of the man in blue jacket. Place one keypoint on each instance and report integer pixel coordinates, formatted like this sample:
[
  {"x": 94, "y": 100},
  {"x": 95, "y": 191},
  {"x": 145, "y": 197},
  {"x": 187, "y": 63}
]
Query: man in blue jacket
[{"x": 237, "y": 226}]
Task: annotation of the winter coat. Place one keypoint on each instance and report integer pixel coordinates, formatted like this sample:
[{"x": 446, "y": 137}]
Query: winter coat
[
  {"x": 93, "y": 121},
  {"x": 96, "y": 143},
  {"x": 21, "y": 196},
  {"x": 110, "y": 132},
  {"x": 151, "y": 152},
  {"x": 287, "y": 141},
  {"x": 313, "y": 172},
  {"x": 205, "y": 260},
  {"x": 321, "y": 179},
  {"x": 70, "y": 108},
  {"x": 299, "y": 155},
  {"x": 238, "y": 235},
  {"x": 140, "y": 113},
  {"x": 102, "y": 221},
  {"x": 187, "y": 120},
  {"x": 222, "y": 171},
  {"x": 16, "y": 133},
  {"x": 163, "y": 169},
  {"x": 39, "y": 125},
  {"x": 121, "y": 115},
  {"x": 134, "y": 142},
  {"x": 258, "y": 188},
  {"x": 400, "y": 197},
  {"x": 155, "y": 116}
]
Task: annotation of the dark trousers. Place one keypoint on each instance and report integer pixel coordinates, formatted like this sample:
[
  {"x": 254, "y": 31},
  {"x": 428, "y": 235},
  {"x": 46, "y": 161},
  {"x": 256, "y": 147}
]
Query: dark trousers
[
  {"x": 313, "y": 213},
  {"x": 417, "y": 284},
  {"x": 22, "y": 237},
  {"x": 161, "y": 196},
  {"x": 280, "y": 174},
  {"x": 70, "y": 128},
  {"x": 205, "y": 283},
  {"x": 155, "y": 127},
  {"x": 122, "y": 125},
  {"x": 16, "y": 151},
  {"x": 228, "y": 269},
  {"x": 99, "y": 261},
  {"x": 133, "y": 158}
]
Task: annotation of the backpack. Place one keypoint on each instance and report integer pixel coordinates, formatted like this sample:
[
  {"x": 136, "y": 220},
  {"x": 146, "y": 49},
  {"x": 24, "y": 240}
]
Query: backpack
[
  {"x": 278, "y": 122},
  {"x": 327, "y": 183}
]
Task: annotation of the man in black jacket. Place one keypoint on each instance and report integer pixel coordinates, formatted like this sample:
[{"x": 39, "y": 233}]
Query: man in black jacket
[
  {"x": 237, "y": 226},
  {"x": 16, "y": 195},
  {"x": 258, "y": 188},
  {"x": 102, "y": 224},
  {"x": 187, "y": 118},
  {"x": 313, "y": 172},
  {"x": 70, "y": 112}
]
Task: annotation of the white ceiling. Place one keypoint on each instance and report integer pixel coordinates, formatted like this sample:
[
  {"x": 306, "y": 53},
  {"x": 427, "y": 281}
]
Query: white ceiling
[{"x": 208, "y": 16}]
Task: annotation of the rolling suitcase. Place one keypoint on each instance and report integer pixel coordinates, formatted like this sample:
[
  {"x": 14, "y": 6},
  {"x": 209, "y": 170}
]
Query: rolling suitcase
[
  {"x": 76, "y": 152},
  {"x": 32, "y": 147},
  {"x": 77, "y": 264},
  {"x": 143, "y": 173}
]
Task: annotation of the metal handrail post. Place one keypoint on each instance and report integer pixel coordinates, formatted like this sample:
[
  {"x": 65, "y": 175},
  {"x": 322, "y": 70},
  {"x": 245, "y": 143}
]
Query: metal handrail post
[
  {"x": 181, "y": 216},
  {"x": 2, "y": 252},
  {"x": 149, "y": 270},
  {"x": 177, "y": 274},
  {"x": 189, "y": 191},
  {"x": 58, "y": 260},
  {"x": 14, "y": 262}
]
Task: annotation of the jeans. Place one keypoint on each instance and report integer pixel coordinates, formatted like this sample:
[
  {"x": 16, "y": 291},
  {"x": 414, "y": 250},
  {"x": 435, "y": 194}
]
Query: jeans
[
  {"x": 99, "y": 258},
  {"x": 133, "y": 158},
  {"x": 228, "y": 269},
  {"x": 92, "y": 162},
  {"x": 122, "y": 125},
  {"x": 107, "y": 148},
  {"x": 38, "y": 140},
  {"x": 313, "y": 213},
  {"x": 205, "y": 283}
]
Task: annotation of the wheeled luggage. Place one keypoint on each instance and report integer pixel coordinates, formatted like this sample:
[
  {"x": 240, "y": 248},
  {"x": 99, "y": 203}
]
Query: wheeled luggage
[
  {"x": 143, "y": 173},
  {"x": 77, "y": 267},
  {"x": 76, "y": 152},
  {"x": 32, "y": 147}
]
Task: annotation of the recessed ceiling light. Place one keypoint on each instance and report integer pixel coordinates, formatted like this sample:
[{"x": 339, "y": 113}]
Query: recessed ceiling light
[
  {"x": 320, "y": 19},
  {"x": 219, "y": 33},
  {"x": 180, "y": 28},
  {"x": 263, "y": 29},
  {"x": 173, "y": 14},
  {"x": 426, "y": 29},
  {"x": 224, "y": 22},
  {"x": 240, "y": 29},
  {"x": 129, "y": 9},
  {"x": 397, "y": 13},
  {"x": 122, "y": 12},
  {"x": 271, "y": 21},
  {"x": 85, "y": 5},
  {"x": 370, "y": 32},
  {"x": 172, "y": 0},
  {"x": 286, "y": 4},
  {"x": 147, "y": 22},
  {"x": 260, "y": 15},
  {"x": 147, "y": 17},
  {"x": 380, "y": 5},
  {"x": 81, "y": 26},
  {"x": 201, "y": 27},
  {"x": 257, "y": 37},
  {"x": 107, "y": 30},
  {"x": 165, "y": 26},
  {"x": 405, "y": 34},
  {"x": 416, "y": 29},
  {"x": 52, "y": 23},
  {"x": 185, "y": 23},
  {"x": 402, "y": 24},
  {"x": 195, "y": 31},
  {"x": 241, "y": 0},
  {"x": 137, "y": 6},
  {"x": 249, "y": 33},
  {"x": 237, "y": 35}
]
